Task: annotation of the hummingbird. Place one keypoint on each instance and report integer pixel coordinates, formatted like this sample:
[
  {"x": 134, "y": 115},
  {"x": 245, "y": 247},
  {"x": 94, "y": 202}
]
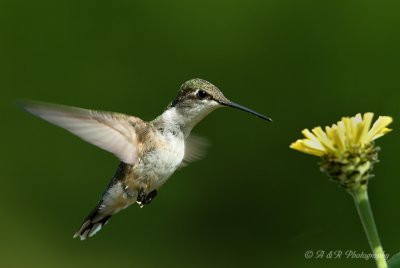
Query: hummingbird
[{"x": 149, "y": 152}]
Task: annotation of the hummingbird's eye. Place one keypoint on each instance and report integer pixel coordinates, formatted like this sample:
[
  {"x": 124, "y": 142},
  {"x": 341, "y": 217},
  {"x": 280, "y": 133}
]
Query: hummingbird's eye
[{"x": 201, "y": 94}]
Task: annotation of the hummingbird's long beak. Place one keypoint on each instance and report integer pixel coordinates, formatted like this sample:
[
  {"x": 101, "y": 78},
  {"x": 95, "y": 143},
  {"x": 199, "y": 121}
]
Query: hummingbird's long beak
[{"x": 240, "y": 107}]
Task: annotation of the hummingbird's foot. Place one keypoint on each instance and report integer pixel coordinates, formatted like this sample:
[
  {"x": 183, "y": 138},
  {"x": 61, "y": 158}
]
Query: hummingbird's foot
[{"x": 145, "y": 199}]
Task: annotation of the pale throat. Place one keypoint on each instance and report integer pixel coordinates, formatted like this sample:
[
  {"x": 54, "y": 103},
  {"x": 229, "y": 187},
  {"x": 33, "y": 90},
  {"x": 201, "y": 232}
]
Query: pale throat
[{"x": 183, "y": 119}]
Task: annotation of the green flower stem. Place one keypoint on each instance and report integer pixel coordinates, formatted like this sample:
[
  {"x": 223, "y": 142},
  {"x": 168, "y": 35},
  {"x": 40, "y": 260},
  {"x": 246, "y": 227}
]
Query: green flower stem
[{"x": 360, "y": 196}]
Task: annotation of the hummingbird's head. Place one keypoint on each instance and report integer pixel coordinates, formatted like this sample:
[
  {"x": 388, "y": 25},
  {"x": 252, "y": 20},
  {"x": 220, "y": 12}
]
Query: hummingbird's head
[{"x": 197, "y": 98}]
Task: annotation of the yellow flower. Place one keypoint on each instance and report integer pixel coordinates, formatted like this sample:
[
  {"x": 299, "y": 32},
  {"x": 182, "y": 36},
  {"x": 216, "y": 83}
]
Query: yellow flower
[
  {"x": 348, "y": 135},
  {"x": 347, "y": 148},
  {"x": 348, "y": 156}
]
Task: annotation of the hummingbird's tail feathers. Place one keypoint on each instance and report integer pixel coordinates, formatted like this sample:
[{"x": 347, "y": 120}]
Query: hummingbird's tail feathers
[
  {"x": 93, "y": 223},
  {"x": 116, "y": 197}
]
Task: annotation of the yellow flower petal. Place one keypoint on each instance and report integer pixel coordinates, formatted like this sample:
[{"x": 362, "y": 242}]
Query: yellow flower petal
[
  {"x": 341, "y": 132},
  {"x": 356, "y": 119},
  {"x": 309, "y": 135},
  {"x": 323, "y": 139},
  {"x": 301, "y": 146},
  {"x": 350, "y": 133},
  {"x": 358, "y": 133},
  {"x": 381, "y": 133},
  {"x": 336, "y": 136},
  {"x": 367, "y": 124},
  {"x": 379, "y": 128}
]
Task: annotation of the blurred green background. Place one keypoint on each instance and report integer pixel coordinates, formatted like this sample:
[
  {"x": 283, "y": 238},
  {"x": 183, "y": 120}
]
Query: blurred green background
[{"x": 252, "y": 202}]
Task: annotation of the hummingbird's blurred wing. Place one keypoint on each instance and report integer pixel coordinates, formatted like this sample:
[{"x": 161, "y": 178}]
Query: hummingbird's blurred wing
[
  {"x": 112, "y": 132},
  {"x": 195, "y": 149}
]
